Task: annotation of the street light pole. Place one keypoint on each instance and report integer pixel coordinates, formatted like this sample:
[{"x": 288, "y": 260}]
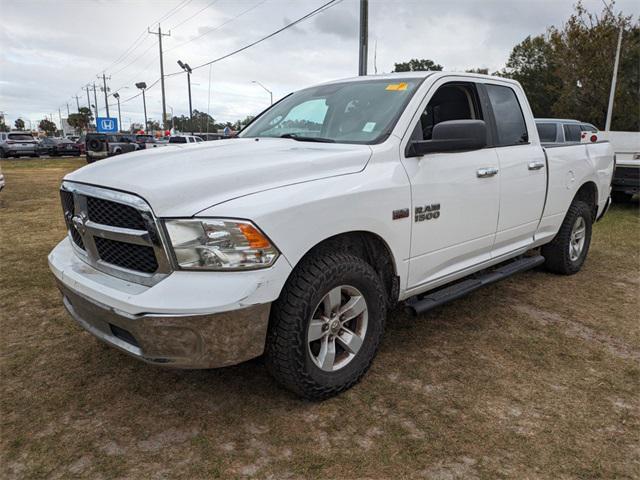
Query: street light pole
[
  {"x": 265, "y": 89},
  {"x": 364, "y": 37},
  {"x": 143, "y": 86},
  {"x": 187, "y": 68},
  {"x": 614, "y": 79},
  {"x": 116, "y": 95}
]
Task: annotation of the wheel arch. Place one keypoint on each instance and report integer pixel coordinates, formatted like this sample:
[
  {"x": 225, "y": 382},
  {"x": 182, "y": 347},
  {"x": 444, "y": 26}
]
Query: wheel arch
[
  {"x": 588, "y": 193},
  {"x": 369, "y": 246}
]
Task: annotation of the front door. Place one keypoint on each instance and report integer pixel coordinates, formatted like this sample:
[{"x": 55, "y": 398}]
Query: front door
[{"x": 455, "y": 196}]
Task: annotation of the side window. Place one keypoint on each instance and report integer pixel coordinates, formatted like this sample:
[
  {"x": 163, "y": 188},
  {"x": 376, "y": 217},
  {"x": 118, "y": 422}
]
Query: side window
[
  {"x": 512, "y": 129},
  {"x": 572, "y": 133},
  {"x": 453, "y": 101},
  {"x": 547, "y": 132},
  {"x": 587, "y": 127}
]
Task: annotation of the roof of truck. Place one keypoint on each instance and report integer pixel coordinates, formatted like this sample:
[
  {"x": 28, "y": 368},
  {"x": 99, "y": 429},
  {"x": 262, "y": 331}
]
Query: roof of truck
[{"x": 418, "y": 75}]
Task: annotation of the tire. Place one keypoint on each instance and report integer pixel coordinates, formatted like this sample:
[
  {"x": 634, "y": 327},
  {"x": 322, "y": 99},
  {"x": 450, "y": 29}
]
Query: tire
[
  {"x": 3, "y": 154},
  {"x": 290, "y": 358},
  {"x": 559, "y": 258},
  {"x": 621, "y": 197}
]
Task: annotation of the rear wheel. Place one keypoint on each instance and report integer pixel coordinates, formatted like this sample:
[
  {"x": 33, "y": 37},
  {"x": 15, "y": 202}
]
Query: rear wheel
[
  {"x": 326, "y": 326},
  {"x": 568, "y": 250}
]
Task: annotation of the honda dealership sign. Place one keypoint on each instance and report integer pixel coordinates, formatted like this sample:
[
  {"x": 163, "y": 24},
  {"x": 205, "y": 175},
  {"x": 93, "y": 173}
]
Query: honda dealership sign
[{"x": 106, "y": 125}]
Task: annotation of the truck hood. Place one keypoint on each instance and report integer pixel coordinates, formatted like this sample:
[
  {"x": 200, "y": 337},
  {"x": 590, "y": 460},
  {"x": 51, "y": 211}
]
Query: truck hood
[{"x": 182, "y": 180}]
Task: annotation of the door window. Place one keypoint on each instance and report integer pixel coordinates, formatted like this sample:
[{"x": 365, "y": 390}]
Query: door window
[
  {"x": 547, "y": 132},
  {"x": 512, "y": 129},
  {"x": 453, "y": 101}
]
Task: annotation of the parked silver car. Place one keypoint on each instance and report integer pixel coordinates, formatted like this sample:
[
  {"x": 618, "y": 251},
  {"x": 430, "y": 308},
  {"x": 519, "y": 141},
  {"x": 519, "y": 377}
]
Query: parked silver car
[{"x": 17, "y": 144}]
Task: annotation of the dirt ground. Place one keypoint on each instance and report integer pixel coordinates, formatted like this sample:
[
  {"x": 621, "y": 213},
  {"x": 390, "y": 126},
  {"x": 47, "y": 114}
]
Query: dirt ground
[{"x": 535, "y": 377}]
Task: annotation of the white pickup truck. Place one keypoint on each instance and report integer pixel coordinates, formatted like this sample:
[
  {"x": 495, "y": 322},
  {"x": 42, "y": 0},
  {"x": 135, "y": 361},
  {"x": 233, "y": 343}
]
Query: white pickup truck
[{"x": 340, "y": 201}]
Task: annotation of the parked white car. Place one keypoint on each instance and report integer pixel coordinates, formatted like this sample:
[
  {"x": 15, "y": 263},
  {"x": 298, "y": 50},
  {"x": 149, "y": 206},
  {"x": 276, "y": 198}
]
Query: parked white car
[
  {"x": 295, "y": 239},
  {"x": 626, "y": 179}
]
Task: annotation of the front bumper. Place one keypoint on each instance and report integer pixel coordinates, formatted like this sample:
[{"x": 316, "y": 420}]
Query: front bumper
[
  {"x": 189, "y": 341},
  {"x": 188, "y": 320}
]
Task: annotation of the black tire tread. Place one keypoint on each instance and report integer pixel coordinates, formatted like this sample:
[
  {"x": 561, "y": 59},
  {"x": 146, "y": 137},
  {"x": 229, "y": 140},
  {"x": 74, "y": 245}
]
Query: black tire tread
[
  {"x": 285, "y": 347},
  {"x": 556, "y": 252}
]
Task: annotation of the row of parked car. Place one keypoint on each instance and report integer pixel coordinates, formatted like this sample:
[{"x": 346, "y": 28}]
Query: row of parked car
[
  {"x": 23, "y": 144},
  {"x": 102, "y": 145}
]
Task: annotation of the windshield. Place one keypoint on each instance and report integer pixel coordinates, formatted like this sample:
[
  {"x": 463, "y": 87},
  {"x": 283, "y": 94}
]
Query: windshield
[
  {"x": 350, "y": 112},
  {"x": 178, "y": 140}
]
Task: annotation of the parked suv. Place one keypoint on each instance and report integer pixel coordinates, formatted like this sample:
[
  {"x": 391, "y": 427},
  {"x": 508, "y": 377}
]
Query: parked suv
[{"x": 17, "y": 144}]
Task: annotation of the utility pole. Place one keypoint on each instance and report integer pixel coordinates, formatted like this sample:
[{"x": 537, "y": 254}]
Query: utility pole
[
  {"x": 104, "y": 88},
  {"x": 364, "y": 37},
  {"x": 68, "y": 110},
  {"x": 60, "y": 117},
  {"x": 164, "y": 105},
  {"x": 614, "y": 79},
  {"x": 95, "y": 99},
  {"x": 77, "y": 103},
  {"x": 88, "y": 99}
]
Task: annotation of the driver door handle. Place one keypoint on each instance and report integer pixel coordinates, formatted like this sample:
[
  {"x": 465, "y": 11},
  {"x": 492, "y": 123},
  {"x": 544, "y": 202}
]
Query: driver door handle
[
  {"x": 536, "y": 165},
  {"x": 486, "y": 172}
]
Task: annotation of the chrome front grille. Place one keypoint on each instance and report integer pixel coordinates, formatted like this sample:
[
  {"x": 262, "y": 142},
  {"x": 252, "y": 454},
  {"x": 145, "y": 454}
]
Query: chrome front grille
[{"x": 115, "y": 232}]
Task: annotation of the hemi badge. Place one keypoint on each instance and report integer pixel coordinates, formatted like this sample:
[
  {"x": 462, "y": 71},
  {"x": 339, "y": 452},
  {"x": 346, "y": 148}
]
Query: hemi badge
[{"x": 402, "y": 213}]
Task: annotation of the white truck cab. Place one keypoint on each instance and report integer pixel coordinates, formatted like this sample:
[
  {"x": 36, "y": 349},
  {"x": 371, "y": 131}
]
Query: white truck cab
[{"x": 341, "y": 200}]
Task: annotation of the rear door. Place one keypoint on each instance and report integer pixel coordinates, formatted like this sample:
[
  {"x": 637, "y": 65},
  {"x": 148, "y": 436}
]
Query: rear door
[
  {"x": 454, "y": 194},
  {"x": 523, "y": 175}
]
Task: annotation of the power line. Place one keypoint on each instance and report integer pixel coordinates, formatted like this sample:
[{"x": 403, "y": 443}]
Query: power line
[
  {"x": 190, "y": 17},
  {"x": 218, "y": 27},
  {"x": 325, "y": 6},
  {"x": 173, "y": 11}
]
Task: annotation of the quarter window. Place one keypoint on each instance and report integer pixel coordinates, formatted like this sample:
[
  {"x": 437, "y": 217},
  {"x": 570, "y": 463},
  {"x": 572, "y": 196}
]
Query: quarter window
[
  {"x": 512, "y": 129},
  {"x": 572, "y": 133}
]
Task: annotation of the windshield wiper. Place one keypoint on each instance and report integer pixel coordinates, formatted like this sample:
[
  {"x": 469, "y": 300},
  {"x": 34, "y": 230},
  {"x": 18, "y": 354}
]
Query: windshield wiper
[{"x": 300, "y": 138}]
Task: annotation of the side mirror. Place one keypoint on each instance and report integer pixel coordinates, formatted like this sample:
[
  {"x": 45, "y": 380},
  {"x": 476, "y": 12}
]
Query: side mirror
[{"x": 451, "y": 136}]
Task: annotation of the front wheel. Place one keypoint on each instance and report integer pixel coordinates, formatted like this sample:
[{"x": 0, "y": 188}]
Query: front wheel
[
  {"x": 568, "y": 250},
  {"x": 326, "y": 326}
]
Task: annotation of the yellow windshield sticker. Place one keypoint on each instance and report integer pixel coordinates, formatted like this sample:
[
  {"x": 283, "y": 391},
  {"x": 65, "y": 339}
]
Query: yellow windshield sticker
[{"x": 397, "y": 86}]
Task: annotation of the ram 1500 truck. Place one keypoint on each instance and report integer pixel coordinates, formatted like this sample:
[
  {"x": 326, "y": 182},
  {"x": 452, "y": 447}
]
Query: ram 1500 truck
[{"x": 338, "y": 202}]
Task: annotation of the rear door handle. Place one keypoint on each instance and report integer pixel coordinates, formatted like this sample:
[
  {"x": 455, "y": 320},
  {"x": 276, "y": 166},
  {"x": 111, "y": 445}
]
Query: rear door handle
[
  {"x": 536, "y": 165},
  {"x": 486, "y": 172}
]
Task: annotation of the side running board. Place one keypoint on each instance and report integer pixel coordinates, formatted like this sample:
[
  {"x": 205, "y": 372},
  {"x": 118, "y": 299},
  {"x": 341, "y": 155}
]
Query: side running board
[{"x": 422, "y": 303}]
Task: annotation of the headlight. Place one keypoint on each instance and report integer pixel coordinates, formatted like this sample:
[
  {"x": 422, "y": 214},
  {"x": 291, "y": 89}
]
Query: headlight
[{"x": 216, "y": 244}]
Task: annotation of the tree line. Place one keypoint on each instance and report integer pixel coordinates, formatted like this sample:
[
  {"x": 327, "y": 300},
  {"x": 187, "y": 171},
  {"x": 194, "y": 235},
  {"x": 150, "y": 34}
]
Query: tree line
[{"x": 566, "y": 71}]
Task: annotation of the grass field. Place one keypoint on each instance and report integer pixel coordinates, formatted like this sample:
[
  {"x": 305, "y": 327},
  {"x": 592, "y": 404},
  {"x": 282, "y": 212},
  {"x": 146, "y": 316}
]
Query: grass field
[{"x": 535, "y": 377}]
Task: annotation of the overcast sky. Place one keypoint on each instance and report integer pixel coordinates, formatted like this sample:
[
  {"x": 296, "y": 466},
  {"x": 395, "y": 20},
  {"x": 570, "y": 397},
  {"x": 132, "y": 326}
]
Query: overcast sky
[{"x": 50, "y": 49}]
